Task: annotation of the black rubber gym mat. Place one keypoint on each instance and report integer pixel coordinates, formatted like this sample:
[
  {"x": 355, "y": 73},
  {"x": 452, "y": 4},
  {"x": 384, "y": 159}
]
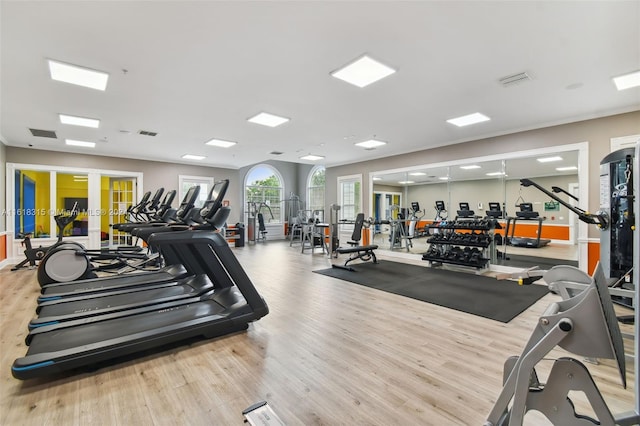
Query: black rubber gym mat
[
  {"x": 500, "y": 300},
  {"x": 521, "y": 261}
]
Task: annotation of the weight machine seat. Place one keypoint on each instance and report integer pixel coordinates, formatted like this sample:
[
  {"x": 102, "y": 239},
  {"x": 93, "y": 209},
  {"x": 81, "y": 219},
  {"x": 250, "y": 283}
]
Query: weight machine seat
[
  {"x": 585, "y": 325},
  {"x": 364, "y": 253}
]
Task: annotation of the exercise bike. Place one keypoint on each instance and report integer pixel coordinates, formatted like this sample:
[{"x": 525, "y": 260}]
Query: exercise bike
[{"x": 33, "y": 255}]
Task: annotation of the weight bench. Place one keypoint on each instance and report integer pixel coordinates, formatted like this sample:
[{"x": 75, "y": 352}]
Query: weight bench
[{"x": 364, "y": 253}]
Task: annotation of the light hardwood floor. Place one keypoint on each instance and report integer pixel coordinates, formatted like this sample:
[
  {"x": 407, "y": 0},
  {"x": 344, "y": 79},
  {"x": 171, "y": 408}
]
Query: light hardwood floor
[{"x": 328, "y": 353}]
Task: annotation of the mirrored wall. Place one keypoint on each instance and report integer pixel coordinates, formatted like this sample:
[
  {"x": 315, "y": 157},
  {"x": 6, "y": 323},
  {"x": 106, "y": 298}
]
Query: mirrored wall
[{"x": 482, "y": 184}]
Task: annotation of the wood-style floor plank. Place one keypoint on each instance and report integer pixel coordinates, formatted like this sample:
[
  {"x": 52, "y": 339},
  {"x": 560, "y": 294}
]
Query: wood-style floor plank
[{"x": 329, "y": 352}]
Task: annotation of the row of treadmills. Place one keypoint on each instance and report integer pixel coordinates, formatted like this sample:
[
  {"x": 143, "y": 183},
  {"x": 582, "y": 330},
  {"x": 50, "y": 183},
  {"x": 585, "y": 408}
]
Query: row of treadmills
[{"x": 202, "y": 291}]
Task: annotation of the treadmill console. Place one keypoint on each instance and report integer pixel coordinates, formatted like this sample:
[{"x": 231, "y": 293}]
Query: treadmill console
[
  {"x": 526, "y": 211},
  {"x": 465, "y": 211},
  {"x": 494, "y": 211}
]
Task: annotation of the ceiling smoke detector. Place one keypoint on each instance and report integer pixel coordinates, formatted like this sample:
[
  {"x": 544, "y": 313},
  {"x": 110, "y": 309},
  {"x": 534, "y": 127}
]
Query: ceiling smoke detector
[{"x": 514, "y": 79}]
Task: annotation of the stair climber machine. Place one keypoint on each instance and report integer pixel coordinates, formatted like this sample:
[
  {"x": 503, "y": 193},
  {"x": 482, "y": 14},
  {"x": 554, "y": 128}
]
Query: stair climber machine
[
  {"x": 224, "y": 301},
  {"x": 616, "y": 221}
]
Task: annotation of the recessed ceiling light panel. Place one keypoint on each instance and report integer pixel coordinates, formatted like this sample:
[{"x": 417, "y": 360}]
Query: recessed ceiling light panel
[
  {"x": 370, "y": 144},
  {"x": 363, "y": 71},
  {"x": 467, "y": 120},
  {"x": 549, "y": 159},
  {"x": 312, "y": 157},
  {"x": 80, "y": 76},
  {"x": 79, "y": 121},
  {"x": 266, "y": 119},
  {"x": 417, "y": 174},
  {"x": 221, "y": 143},
  {"x": 83, "y": 144},
  {"x": 627, "y": 81},
  {"x": 470, "y": 167},
  {"x": 496, "y": 174},
  {"x": 566, "y": 169},
  {"x": 193, "y": 157},
  {"x": 405, "y": 182}
]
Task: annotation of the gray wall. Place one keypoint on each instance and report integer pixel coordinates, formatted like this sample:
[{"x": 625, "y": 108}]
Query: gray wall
[
  {"x": 157, "y": 174},
  {"x": 597, "y": 132}
]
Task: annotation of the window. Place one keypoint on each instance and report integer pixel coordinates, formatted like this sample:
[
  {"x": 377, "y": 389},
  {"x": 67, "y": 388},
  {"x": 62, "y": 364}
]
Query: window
[
  {"x": 263, "y": 191},
  {"x": 350, "y": 196},
  {"x": 315, "y": 188},
  {"x": 186, "y": 182}
]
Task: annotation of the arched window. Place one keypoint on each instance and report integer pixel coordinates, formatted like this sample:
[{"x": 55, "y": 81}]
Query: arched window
[
  {"x": 315, "y": 188},
  {"x": 263, "y": 190}
]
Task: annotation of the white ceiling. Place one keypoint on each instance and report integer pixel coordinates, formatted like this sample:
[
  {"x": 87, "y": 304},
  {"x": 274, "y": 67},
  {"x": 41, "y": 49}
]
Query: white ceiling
[{"x": 198, "y": 70}]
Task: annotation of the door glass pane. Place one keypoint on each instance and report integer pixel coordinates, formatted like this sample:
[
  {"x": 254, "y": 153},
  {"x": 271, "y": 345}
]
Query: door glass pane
[
  {"x": 32, "y": 204},
  {"x": 72, "y": 193}
]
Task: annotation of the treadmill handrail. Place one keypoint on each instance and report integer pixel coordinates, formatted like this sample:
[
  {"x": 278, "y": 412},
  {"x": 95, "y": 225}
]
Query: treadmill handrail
[{"x": 600, "y": 220}]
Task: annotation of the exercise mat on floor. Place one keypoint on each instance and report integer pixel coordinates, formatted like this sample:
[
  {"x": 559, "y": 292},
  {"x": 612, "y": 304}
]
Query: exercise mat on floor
[
  {"x": 521, "y": 261},
  {"x": 500, "y": 300}
]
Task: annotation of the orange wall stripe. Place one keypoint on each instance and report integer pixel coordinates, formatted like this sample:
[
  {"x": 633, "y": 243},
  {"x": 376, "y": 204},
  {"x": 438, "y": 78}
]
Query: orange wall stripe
[
  {"x": 529, "y": 230},
  {"x": 3, "y": 247},
  {"x": 593, "y": 255}
]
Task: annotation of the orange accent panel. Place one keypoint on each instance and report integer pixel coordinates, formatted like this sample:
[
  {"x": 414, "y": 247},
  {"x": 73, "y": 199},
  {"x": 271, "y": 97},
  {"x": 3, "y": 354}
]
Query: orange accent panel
[
  {"x": 593, "y": 255},
  {"x": 3, "y": 247},
  {"x": 365, "y": 237}
]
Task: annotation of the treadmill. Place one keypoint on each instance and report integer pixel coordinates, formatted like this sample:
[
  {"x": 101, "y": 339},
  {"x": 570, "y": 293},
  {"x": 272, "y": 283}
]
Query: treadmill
[
  {"x": 67, "y": 311},
  {"x": 232, "y": 305},
  {"x": 174, "y": 271},
  {"x": 526, "y": 213},
  {"x": 162, "y": 214}
]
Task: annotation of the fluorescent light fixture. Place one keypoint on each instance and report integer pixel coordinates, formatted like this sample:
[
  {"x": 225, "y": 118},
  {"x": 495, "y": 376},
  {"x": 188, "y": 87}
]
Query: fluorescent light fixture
[
  {"x": 370, "y": 144},
  {"x": 312, "y": 157},
  {"x": 81, "y": 180},
  {"x": 377, "y": 178},
  {"x": 566, "y": 169},
  {"x": 193, "y": 157},
  {"x": 549, "y": 159},
  {"x": 220, "y": 143},
  {"x": 267, "y": 119},
  {"x": 443, "y": 178},
  {"x": 83, "y": 144},
  {"x": 80, "y": 177},
  {"x": 405, "y": 182},
  {"x": 79, "y": 121},
  {"x": 627, "y": 81},
  {"x": 363, "y": 71},
  {"x": 417, "y": 174},
  {"x": 470, "y": 167},
  {"x": 466, "y": 120},
  {"x": 78, "y": 75},
  {"x": 495, "y": 174}
]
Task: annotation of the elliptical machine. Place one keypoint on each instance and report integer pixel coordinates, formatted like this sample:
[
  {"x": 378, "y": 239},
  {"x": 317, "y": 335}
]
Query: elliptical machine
[{"x": 33, "y": 255}]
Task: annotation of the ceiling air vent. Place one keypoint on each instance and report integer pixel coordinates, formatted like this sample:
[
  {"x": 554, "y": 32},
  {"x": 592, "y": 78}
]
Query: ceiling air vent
[
  {"x": 276, "y": 153},
  {"x": 514, "y": 79},
  {"x": 44, "y": 133},
  {"x": 147, "y": 133}
]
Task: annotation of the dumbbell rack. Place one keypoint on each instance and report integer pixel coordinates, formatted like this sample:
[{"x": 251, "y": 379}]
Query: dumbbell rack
[{"x": 471, "y": 248}]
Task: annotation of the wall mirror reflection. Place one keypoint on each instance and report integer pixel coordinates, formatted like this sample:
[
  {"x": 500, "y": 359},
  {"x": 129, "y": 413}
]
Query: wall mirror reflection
[{"x": 419, "y": 198}]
